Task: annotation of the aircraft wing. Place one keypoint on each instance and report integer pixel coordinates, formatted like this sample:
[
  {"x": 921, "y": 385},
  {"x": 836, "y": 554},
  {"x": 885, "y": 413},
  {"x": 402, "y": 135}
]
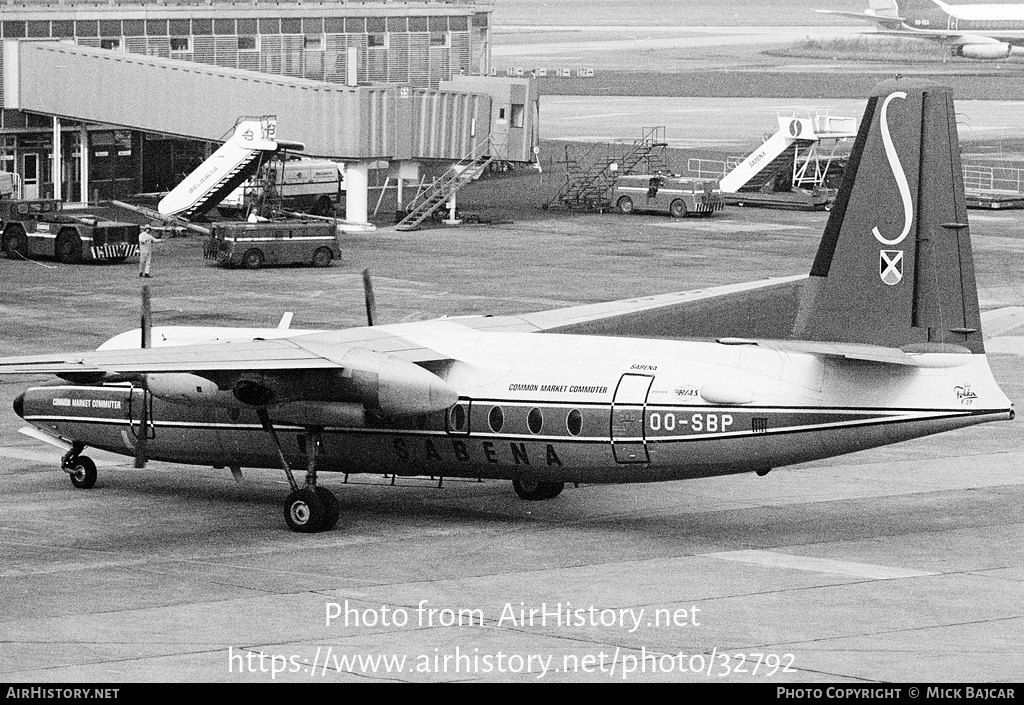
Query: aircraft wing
[
  {"x": 327, "y": 350},
  {"x": 763, "y": 308}
]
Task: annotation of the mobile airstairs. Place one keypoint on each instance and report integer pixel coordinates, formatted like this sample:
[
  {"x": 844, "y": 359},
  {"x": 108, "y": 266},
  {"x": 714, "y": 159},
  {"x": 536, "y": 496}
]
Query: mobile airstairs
[
  {"x": 252, "y": 142},
  {"x": 431, "y": 198},
  {"x": 790, "y": 169},
  {"x": 590, "y": 174}
]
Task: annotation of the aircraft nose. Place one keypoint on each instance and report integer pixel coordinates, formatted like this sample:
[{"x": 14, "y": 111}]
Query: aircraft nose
[{"x": 19, "y": 405}]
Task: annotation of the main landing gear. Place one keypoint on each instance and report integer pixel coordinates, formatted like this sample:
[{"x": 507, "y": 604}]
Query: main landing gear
[
  {"x": 309, "y": 508},
  {"x": 536, "y": 490},
  {"x": 80, "y": 468}
]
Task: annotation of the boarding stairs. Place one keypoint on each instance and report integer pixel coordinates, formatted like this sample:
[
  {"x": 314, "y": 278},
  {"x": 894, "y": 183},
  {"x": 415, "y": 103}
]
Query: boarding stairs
[
  {"x": 805, "y": 146},
  {"x": 588, "y": 180},
  {"x": 253, "y": 140},
  {"x": 431, "y": 198}
]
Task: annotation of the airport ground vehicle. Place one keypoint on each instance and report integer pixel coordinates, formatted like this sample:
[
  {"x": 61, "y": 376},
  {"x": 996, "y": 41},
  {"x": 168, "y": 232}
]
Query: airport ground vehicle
[
  {"x": 664, "y": 193},
  {"x": 253, "y": 245},
  {"x": 313, "y": 185},
  {"x": 41, "y": 228}
]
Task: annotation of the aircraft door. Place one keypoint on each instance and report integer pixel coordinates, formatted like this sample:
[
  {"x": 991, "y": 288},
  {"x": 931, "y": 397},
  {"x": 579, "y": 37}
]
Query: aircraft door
[{"x": 628, "y": 418}]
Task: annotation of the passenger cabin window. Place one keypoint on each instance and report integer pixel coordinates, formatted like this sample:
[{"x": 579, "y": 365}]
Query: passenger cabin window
[
  {"x": 535, "y": 421},
  {"x": 574, "y": 422},
  {"x": 496, "y": 419}
]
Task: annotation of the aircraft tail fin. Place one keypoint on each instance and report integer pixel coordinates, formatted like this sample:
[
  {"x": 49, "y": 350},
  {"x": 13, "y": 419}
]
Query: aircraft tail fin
[{"x": 894, "y": 267}]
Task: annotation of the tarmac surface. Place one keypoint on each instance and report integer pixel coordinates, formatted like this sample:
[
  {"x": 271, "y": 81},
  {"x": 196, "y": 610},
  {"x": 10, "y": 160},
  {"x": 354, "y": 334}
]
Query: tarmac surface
[{"x": 899, "y": 564}]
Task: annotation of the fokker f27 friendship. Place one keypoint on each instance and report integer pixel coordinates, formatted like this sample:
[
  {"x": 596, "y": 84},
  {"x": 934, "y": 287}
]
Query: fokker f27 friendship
[
  {"x": 881, "y": 343},
  {"x": 976, "y": 31}
]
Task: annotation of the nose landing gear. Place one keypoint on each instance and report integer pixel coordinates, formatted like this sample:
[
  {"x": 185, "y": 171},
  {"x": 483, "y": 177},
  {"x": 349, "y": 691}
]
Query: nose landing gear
[{"x": 80, "y": 468}]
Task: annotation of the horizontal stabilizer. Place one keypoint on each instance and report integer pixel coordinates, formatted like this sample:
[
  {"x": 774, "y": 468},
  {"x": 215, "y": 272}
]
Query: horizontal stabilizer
[
  {"x": 1001, "y": 321},
  {"x": 911, "y": 356}
]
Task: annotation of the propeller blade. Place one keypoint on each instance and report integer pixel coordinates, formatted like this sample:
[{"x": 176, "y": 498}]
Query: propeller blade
[
  {"x": 371, "y": 303},
  {"x": 147, "y": 341}
]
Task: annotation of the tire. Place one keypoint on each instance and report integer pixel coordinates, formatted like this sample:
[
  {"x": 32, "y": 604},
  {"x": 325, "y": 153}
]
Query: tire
[
  {"x": 535, "y": 490},
  {"x": 678, "y": 209},
  {"x": 83, "y": 472},
  {"x": 332, "y": 510},
  {"x": 304, "y": 512},
  {"x": 68, "y": 248},
  {"x": 323, "y": 206},
  {"x": 322, "y": 257},
  {"x": 15, "y": 244},
  {"x": 252, "y": 259},
  {"x": 625, "y": 205}
]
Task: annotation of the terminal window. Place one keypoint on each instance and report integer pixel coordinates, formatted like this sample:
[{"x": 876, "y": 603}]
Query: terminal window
[
  {"x": 438, "y": 39},
  {"x": 181, "y": 44},
  {"x": 114, "y": 44}
]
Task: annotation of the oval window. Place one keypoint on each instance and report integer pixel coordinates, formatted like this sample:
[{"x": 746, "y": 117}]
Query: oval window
[
  {"x": 574, "y": 422},
  {"x": 496, "y": 419},
  {"x": 535, "y": 420},
  {"x": 457, "y": 417}
]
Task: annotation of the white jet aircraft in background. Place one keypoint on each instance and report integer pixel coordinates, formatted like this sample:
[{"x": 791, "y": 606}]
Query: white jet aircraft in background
[
  {"x": 976, "y": 31},
  {"x": 881, "y": 343}
]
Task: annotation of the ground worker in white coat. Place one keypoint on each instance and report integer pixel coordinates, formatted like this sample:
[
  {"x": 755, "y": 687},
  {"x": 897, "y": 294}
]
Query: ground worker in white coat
[{"x": 146, "y": 240}]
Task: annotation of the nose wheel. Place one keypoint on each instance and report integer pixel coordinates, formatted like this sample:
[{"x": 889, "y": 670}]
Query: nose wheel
[{"x": 80, "y": 468}]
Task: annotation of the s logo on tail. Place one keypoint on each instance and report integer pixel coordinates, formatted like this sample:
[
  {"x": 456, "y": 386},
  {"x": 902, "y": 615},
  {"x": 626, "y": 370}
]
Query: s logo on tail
[{"x": 897, "y": 172}]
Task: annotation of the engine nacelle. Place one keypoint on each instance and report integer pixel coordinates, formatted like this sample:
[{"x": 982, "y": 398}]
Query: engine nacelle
[
  {"x": 994, "y": 50},
  {"x": 190, "y": 390}
]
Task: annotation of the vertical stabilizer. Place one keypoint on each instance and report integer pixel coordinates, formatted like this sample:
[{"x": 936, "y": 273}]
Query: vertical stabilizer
[{"x": 894, "y": 267}]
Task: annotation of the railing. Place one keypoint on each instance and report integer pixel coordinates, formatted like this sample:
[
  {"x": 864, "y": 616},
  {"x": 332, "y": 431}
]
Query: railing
[{"x": 993, "y": 178}]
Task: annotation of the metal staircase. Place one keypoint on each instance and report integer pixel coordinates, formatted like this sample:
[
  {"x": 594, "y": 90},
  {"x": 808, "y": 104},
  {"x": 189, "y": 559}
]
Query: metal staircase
[
  {"x": 238, "y": 158},
  {"x": 434, "y": 196},
  {"x": 588, "y": 186}
]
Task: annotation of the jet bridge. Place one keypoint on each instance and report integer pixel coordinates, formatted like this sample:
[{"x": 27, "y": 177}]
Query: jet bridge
[{"x": 359, "y": 125}]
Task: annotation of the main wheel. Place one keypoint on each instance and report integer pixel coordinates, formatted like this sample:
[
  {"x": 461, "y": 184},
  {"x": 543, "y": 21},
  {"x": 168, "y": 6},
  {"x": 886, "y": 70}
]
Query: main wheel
[
  {"x": 15, "y": 244},
  {"x": 69, "y": 248},
  {"x": 322, "y": 257},
  {"x": 83, "y": 472},
  {"x": 332, "y": 510},
  {"x": 536, "y": 490},
  {"x": 253, "y": 259},
  {"x": 678, "y": 209},
  {"x": 625, "y": 205},
  {"x": 304, "y": 511}
]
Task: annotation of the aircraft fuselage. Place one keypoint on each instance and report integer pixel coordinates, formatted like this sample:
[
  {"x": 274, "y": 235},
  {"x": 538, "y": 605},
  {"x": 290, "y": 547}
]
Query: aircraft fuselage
[{"x": 565, "y": 408}]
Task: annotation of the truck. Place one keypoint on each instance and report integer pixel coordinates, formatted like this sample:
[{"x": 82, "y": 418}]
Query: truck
[
  {"x": 41, "y": 228},
  {"x": 253, "y": 245},
  {"x": 313, "y": 185},
  {"x": 666, "y": 193}
]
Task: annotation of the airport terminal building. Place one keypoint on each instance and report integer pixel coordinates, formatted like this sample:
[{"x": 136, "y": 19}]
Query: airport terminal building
[{"x": 418, "y": 44}]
